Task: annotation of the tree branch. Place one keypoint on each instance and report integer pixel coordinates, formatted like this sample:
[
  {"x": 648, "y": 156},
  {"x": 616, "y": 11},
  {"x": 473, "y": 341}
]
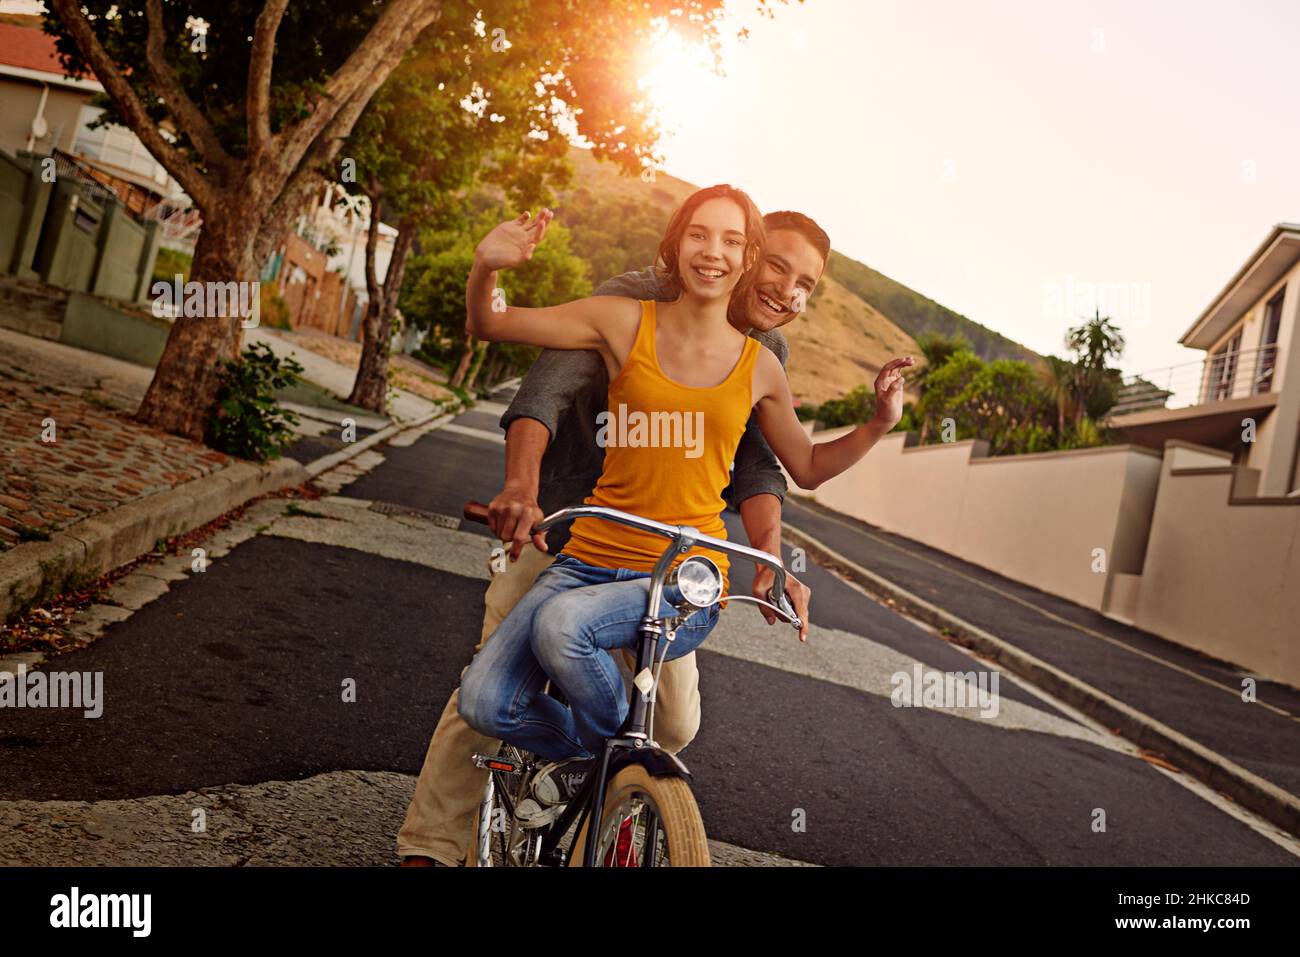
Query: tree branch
[
  {"x": 259, "y": 77},
  {"x": 284, "y": 210},
  {"x": 128, "y": 104},
  {"x": 373, "y": 289},
  {"x": 366, "y": 69},
  {"x": 189, "y": 117}
]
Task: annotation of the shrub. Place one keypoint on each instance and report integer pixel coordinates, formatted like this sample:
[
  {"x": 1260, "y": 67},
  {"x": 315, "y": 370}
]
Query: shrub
[
  {"x": 169, "y": 263},
  {"x": 274, "y": 310},
  {"x": 853, "y": 409},
  {"x": 246, "y": 421}
]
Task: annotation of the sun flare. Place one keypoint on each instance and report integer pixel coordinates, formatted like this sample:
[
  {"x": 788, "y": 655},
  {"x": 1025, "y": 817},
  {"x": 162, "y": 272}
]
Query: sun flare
[{"x": 673, "y": 75}]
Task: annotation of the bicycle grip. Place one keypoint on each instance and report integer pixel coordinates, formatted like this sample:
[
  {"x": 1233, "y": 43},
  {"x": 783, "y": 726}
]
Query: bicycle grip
[{"x": 475, "y": 512}]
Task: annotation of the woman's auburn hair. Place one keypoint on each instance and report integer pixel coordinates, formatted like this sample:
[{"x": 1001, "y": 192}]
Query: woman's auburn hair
[{"x": 667, "y": 266}]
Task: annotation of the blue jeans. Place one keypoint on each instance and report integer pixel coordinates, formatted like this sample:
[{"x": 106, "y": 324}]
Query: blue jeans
[{"x": 564, "y": 629}]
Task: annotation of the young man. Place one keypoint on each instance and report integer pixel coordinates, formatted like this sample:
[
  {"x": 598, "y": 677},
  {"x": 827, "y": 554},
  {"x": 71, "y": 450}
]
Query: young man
[{"x": 552, "y": 462}]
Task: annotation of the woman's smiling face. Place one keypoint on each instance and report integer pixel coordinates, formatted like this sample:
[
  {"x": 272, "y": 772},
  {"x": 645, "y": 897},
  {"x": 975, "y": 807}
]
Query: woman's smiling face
[{"x": 711, "y": 257}]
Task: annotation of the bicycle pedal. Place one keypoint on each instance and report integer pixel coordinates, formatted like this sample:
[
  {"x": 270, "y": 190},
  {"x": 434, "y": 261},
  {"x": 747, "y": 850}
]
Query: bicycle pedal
[{"x": 494, "y": 762}]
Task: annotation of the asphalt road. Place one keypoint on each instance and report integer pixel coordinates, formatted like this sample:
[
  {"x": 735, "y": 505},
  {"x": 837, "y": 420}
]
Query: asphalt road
[{"x": 233, "y": 677}]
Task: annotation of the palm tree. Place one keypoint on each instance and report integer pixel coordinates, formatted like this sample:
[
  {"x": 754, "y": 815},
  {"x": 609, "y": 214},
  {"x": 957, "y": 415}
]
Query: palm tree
[
  {"x": 936, "y": 349},
  {"x": 1095, "y": 343},
  {"x": 1059, "y": 378}
]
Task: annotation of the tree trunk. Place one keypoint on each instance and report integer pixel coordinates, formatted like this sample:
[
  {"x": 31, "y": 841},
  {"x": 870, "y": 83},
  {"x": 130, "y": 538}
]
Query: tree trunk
[
  {"x": 479, "y": 354},
  {"x": 371, "y": 385},
  {"x": 187, "y": 378},
  {"x": 494, "y": 371},
  {"x": 463, "y": 366}
]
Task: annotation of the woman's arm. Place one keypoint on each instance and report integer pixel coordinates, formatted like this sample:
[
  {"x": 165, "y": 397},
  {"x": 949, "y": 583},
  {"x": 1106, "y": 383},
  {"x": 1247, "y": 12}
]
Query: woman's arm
[
  {"x": 808, "y": 464},
  {"x": 591, "y": 323}
]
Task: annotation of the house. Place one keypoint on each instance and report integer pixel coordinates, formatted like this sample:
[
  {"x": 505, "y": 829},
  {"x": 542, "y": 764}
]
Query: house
[
  {"x": 1244, "y": 397},
  {"x": 1189, "y": 530},
  {"x": 46, "y": 113}
]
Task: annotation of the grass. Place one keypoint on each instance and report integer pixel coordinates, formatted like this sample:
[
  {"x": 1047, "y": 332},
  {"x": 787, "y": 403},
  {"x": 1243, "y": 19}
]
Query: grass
[
  {"x": 311, "y": 394},
  {"x": 296, "y": 509},
  {"x": 91, "y": 397}
]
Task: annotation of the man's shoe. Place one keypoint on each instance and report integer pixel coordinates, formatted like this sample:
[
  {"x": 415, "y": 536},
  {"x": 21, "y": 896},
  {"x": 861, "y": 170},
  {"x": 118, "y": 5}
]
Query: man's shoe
[
  {"x": 560, "y": 781},
  {"x": 554, "y": 786}
]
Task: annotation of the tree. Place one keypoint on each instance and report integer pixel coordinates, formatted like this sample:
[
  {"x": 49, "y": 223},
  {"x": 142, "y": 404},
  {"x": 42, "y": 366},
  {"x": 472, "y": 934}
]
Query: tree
[
  {"x": 428, "y": 134},
  {"x": 249, "y": 118},
  {"x": 1096, "y": 343},
  {"x": 1059, "y": 379},
  {"x": 936, "y": 349},
  {"x": 434, "y": 299},
  {"x": 245, "y": 116}
]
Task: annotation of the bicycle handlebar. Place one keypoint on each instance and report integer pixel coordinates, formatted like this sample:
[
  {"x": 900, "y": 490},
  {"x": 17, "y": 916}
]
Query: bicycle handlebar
[{"x": 478, "y": 512}]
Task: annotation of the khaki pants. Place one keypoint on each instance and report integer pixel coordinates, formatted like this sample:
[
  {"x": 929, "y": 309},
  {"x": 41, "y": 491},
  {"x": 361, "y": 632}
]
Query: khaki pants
[{"x": 449, "y": 787}]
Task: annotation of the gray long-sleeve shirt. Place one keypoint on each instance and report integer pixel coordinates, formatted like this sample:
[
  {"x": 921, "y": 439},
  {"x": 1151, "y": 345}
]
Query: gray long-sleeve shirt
[{"x": 566, "y": 389}]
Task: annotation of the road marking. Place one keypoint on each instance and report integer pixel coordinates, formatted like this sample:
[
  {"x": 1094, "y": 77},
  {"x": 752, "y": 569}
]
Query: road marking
[{"x": 496, "y": 437}]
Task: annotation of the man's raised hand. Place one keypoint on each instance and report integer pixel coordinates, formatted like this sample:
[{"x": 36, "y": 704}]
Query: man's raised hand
[
  {"x": 514, "y": 241},
  {"x": 889, "y": 390}
]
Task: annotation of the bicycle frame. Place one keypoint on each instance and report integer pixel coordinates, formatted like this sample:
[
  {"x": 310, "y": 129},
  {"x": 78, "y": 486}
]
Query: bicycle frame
[{"x": 632, "y": 743}]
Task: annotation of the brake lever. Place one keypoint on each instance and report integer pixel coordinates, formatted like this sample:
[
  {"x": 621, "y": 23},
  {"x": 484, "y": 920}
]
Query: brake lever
[
  {"x": 786, "y": 613},
  {"x": 784, "y": 602}
]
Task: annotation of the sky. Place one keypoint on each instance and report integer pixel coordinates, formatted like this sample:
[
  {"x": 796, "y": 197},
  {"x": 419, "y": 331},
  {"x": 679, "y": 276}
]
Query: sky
[{"x": 1014, "y": 161}]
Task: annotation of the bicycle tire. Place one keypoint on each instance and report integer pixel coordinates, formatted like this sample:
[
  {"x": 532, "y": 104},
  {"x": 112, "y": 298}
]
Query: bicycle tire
[
  {"x": 498, "y": 841},
  {"x": 672, "y": 802}
]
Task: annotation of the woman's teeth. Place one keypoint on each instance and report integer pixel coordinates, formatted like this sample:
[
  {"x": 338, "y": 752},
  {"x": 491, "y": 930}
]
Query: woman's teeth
[{"x": 709, "y": 273}]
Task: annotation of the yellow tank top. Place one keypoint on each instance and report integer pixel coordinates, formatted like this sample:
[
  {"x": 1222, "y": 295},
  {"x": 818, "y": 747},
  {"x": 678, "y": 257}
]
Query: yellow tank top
[{"x": 668, "y": 454}]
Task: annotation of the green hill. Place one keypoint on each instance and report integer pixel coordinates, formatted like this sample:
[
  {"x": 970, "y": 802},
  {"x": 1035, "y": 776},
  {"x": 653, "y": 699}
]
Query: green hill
[
  {"x": 857, "y": 320},
  {"x": 917, "y": 314}
]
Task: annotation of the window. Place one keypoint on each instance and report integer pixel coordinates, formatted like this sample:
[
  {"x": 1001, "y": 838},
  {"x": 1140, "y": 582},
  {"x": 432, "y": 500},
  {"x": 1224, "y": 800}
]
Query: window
[
  {"x": 1223, "y": 369},
  {"x": 1267, "y": 361}
]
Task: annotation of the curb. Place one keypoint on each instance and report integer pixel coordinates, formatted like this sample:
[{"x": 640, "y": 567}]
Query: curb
[
  {"x": 1245, "y": 787},
  {"x": 95, "y": 545},
  {"x": 34, "y": 571},
  {"x": 328, "y": 462}
]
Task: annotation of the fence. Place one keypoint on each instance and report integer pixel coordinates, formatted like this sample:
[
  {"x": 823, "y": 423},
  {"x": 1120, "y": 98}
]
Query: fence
[{"x": 63, "y": 226}]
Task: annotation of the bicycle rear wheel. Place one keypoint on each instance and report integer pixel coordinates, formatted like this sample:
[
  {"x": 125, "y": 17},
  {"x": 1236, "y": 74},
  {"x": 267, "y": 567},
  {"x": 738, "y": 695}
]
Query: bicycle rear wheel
[
  {"x": 647, "y": 822},
  {"x": 509, "y": 844}
]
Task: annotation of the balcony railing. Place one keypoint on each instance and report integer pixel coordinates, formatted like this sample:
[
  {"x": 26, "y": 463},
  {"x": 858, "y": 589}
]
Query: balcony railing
[{"x": 1225, "y": 375}]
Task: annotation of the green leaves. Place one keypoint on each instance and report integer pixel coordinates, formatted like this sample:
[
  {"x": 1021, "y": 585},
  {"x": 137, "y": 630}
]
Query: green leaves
[{"x": 246, "y": 420}]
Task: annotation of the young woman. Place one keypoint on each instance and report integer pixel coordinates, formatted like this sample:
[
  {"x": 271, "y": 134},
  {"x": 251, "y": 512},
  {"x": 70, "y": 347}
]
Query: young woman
[{"x": 683, "y": 381}]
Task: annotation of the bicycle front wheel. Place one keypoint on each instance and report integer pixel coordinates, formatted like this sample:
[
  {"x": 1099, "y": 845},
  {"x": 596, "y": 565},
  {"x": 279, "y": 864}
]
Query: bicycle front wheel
[{"x": 647, "y": 822}]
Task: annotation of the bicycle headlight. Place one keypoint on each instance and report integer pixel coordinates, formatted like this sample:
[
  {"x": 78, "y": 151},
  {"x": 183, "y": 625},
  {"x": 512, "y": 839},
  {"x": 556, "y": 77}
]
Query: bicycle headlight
[{"x": 699, "y": 580}]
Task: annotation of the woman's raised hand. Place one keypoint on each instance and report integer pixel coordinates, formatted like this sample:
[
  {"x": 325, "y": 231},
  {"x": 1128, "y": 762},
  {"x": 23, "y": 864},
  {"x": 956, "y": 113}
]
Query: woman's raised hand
[
  {"x": 513, "y": 241},
  {"x": 889, "y": 390}
]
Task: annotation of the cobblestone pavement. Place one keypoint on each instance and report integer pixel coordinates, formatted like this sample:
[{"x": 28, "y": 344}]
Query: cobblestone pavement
[{"x": 68, "y": 451}]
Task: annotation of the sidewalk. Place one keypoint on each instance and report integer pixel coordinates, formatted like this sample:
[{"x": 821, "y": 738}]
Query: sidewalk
[
  {"x": 69, "y": 454},
  {"x": 83, "y": 487},
  {"x": 337, "y": 378},
  {"x": 1167, "y": 684}
]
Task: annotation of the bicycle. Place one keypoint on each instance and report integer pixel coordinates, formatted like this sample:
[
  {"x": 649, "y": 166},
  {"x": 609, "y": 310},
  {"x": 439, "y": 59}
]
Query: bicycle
[{"x": 640, "y": 794}]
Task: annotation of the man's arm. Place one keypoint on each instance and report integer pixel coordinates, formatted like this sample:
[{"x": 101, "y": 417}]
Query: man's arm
[
  {"x": 759, "y": 487},
  {"x": 548, "y": 390},
  {"x": 514, "y": 511},
  {"x": 762, "y": 517}
]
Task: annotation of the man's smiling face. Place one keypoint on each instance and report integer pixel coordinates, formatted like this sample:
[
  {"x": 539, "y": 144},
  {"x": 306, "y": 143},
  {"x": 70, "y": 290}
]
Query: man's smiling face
[{"x": 789, "y": 273}]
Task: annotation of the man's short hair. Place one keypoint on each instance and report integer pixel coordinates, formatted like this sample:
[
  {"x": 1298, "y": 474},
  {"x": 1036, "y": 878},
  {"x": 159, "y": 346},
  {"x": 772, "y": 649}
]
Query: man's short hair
[{"x": 804, "y": 226}]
